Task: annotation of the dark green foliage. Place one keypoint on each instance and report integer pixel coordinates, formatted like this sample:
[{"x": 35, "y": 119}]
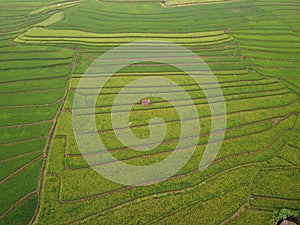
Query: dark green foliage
[
  {"x": 23, "y": 213},
  {"x": 285, "y": 214}
]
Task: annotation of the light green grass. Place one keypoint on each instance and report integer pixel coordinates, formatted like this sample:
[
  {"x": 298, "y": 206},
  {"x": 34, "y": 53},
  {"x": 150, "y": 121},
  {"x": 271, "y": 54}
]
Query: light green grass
[{"x": 55, "y": 6}]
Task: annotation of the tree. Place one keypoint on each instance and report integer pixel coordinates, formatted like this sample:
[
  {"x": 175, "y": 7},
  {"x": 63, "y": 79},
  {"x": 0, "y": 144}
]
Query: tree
[{"x": 284, "y": 214}]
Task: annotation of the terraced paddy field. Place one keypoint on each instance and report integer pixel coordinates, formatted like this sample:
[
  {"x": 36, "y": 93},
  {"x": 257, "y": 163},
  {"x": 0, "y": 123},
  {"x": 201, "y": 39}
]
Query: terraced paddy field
[{"x": 252, "y": 48}]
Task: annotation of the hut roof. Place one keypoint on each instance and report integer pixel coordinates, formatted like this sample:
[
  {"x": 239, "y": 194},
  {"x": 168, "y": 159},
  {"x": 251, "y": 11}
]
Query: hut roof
[
  {"x": 287, "y": 222},
  {"x": 146, "y": 102}
]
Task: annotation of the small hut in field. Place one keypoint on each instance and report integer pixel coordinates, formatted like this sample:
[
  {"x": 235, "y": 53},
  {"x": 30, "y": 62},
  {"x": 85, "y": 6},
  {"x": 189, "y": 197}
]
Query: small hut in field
[{"x": 146, "y": 102}]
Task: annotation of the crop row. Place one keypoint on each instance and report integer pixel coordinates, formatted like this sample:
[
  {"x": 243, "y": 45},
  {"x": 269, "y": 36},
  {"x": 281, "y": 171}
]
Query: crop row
[
  {"x": 39, "y": 35},
  {"x": 195, "y": 2}
]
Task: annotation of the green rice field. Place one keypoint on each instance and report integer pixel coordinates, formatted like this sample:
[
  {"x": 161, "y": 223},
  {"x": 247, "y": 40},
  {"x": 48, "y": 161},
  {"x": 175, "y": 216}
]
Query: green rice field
[{"x": 252, "y": 48}]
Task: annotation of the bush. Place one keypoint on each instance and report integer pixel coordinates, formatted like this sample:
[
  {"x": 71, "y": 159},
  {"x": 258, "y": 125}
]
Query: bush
[{"x": 283, "y": 214}]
